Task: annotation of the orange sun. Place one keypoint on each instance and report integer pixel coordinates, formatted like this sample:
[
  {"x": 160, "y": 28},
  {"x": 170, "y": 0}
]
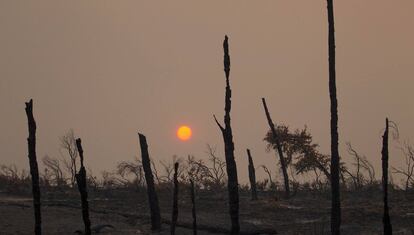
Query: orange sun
[{"x": 184, "y": 133}]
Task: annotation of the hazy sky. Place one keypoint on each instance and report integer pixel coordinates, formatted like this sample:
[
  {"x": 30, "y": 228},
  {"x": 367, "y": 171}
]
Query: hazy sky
[{"x": 109, "y": 69}]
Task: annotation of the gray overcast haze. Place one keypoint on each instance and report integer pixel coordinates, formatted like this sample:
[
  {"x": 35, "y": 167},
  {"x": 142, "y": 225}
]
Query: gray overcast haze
[{"x": 109, "y": 69}]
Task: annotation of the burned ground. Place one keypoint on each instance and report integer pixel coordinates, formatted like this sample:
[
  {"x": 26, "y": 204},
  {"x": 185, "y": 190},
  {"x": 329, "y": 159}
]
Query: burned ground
[{"x": 304, "y": 213}]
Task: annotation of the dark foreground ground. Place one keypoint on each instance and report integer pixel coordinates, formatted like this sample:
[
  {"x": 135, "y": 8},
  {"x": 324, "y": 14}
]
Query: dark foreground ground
[{"x": 305, "y": 213}]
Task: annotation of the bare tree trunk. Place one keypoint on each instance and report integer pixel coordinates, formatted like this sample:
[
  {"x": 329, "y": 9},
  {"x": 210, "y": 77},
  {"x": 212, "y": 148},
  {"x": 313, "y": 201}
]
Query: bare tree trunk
[
  {"x": 232, "y": 185},
  {"x": 83, "y": 190},
  {"x": 34, "y": 171},
  {"x": 175, "y": 201},
  {"x": 152, "y": 195},
  {"x": 193, "y": 208},
  {"x": 252, "y": 176},
  {"x": 279, "y": 148},
  {"x": 386, "y": 218},
  {"x": 336, "y": 202}
]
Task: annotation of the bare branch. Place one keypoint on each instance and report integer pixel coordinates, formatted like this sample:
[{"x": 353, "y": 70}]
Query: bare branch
[{"x": 218, "y": 124}]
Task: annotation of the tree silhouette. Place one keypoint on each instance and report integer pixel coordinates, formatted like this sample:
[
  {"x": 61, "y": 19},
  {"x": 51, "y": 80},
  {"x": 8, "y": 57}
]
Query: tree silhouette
[
  {"x": 152, "y": 195},
  {"x": 386, "y": 217},
  {"x": 53, "y": 165},
  {"x": 279, "y": 148},
  {"x": 68, "y": 144},
  {"x": 408, "y": 170},
  {"x": 232, "y": 181},
  {"x": 83, "y": 190},
  {"x": 193, "y": 209},
  {"x": 34, "y": 171},
  {"x": 299, "y": 149},
  {"x": 174, "y": 216},
  {"x": 336, "y": 201},
  {"x": 252, "y": 176},
  {"x": 361, "y": 164}
]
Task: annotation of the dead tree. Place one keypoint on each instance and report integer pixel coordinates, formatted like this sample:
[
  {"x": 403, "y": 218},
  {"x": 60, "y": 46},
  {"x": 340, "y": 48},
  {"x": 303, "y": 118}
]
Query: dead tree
[
  {"x": 408, "y": 173},
  {"x": 53, "y": 165},
  {"x": 193, "y": 210},
  {"x": 174, "y": 216},
  {"x": 386, "y": 218},
  {"x": 68, "y": 145},
  {"x": 83, "y": 190},
  {"x": 336, "y": 202},
  {"x": 252, "y": 176},
  {"x": 217, "y": 171},
  {"x": 34, "y": 171},
  {"x": 152, "y": 195},
  {"x": 272, "y": 184},
  {"x": 279, "y": 149},
  {"x": 361, "y": 163},
  {"x": 232, "y": 184}
]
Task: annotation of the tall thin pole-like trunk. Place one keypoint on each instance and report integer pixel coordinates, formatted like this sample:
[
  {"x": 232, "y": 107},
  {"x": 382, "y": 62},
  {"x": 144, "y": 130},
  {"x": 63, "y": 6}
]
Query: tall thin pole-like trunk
[
  {"x": 232, "y": 185},
  {"x": 252, "y": 176},
  {"x": 386, "y": 218},
  {"x": 193, "y": 209},
  {"x": 174, "y": 216},
  {"x": 152, "y": 195},
  {"x": 83, "y": 190},
  {"x": 336, "y": 201},
  {"x": 279, "y": 148},
  {"x": 34, "y": 171}
]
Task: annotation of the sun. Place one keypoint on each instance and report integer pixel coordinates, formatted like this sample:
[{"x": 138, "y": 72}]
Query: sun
[{"x": 184, "y": 133}]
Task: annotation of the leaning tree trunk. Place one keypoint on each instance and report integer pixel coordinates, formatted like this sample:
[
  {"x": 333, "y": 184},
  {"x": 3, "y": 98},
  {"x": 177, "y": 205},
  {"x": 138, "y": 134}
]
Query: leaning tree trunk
[
  {"x": 252, "y": 176},
  {"x": 279, "y": 149},
  {"x": 83, "y": 190},
  {"x": 386, "y": 218},
  {"x": 152, "y": 195},
  {"x": 232, "y": 185},
  {"x": 34, "y": 171},
  {"x": 336, "y": 203},
  {"x": 193, "y": 210},
  {"x": 174, "y": 216}
]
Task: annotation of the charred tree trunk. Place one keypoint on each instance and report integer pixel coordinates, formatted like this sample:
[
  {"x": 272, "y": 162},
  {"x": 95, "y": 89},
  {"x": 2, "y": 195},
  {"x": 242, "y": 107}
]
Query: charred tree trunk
[
  {"x": 83, "y": 190},
  {"x": 232, "y": 185},
  {"x": 152, "y": 195},
  {"x": 252, "y": 176},
  {"x": 336, "y": 202},
  {"x": 279, "y": 149},
  {"x": 193, "y": 210},
  {"x": 175, "y": 200},
  {"x": 34, "y": 171},
  {"x": 386, "y": 218}
]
